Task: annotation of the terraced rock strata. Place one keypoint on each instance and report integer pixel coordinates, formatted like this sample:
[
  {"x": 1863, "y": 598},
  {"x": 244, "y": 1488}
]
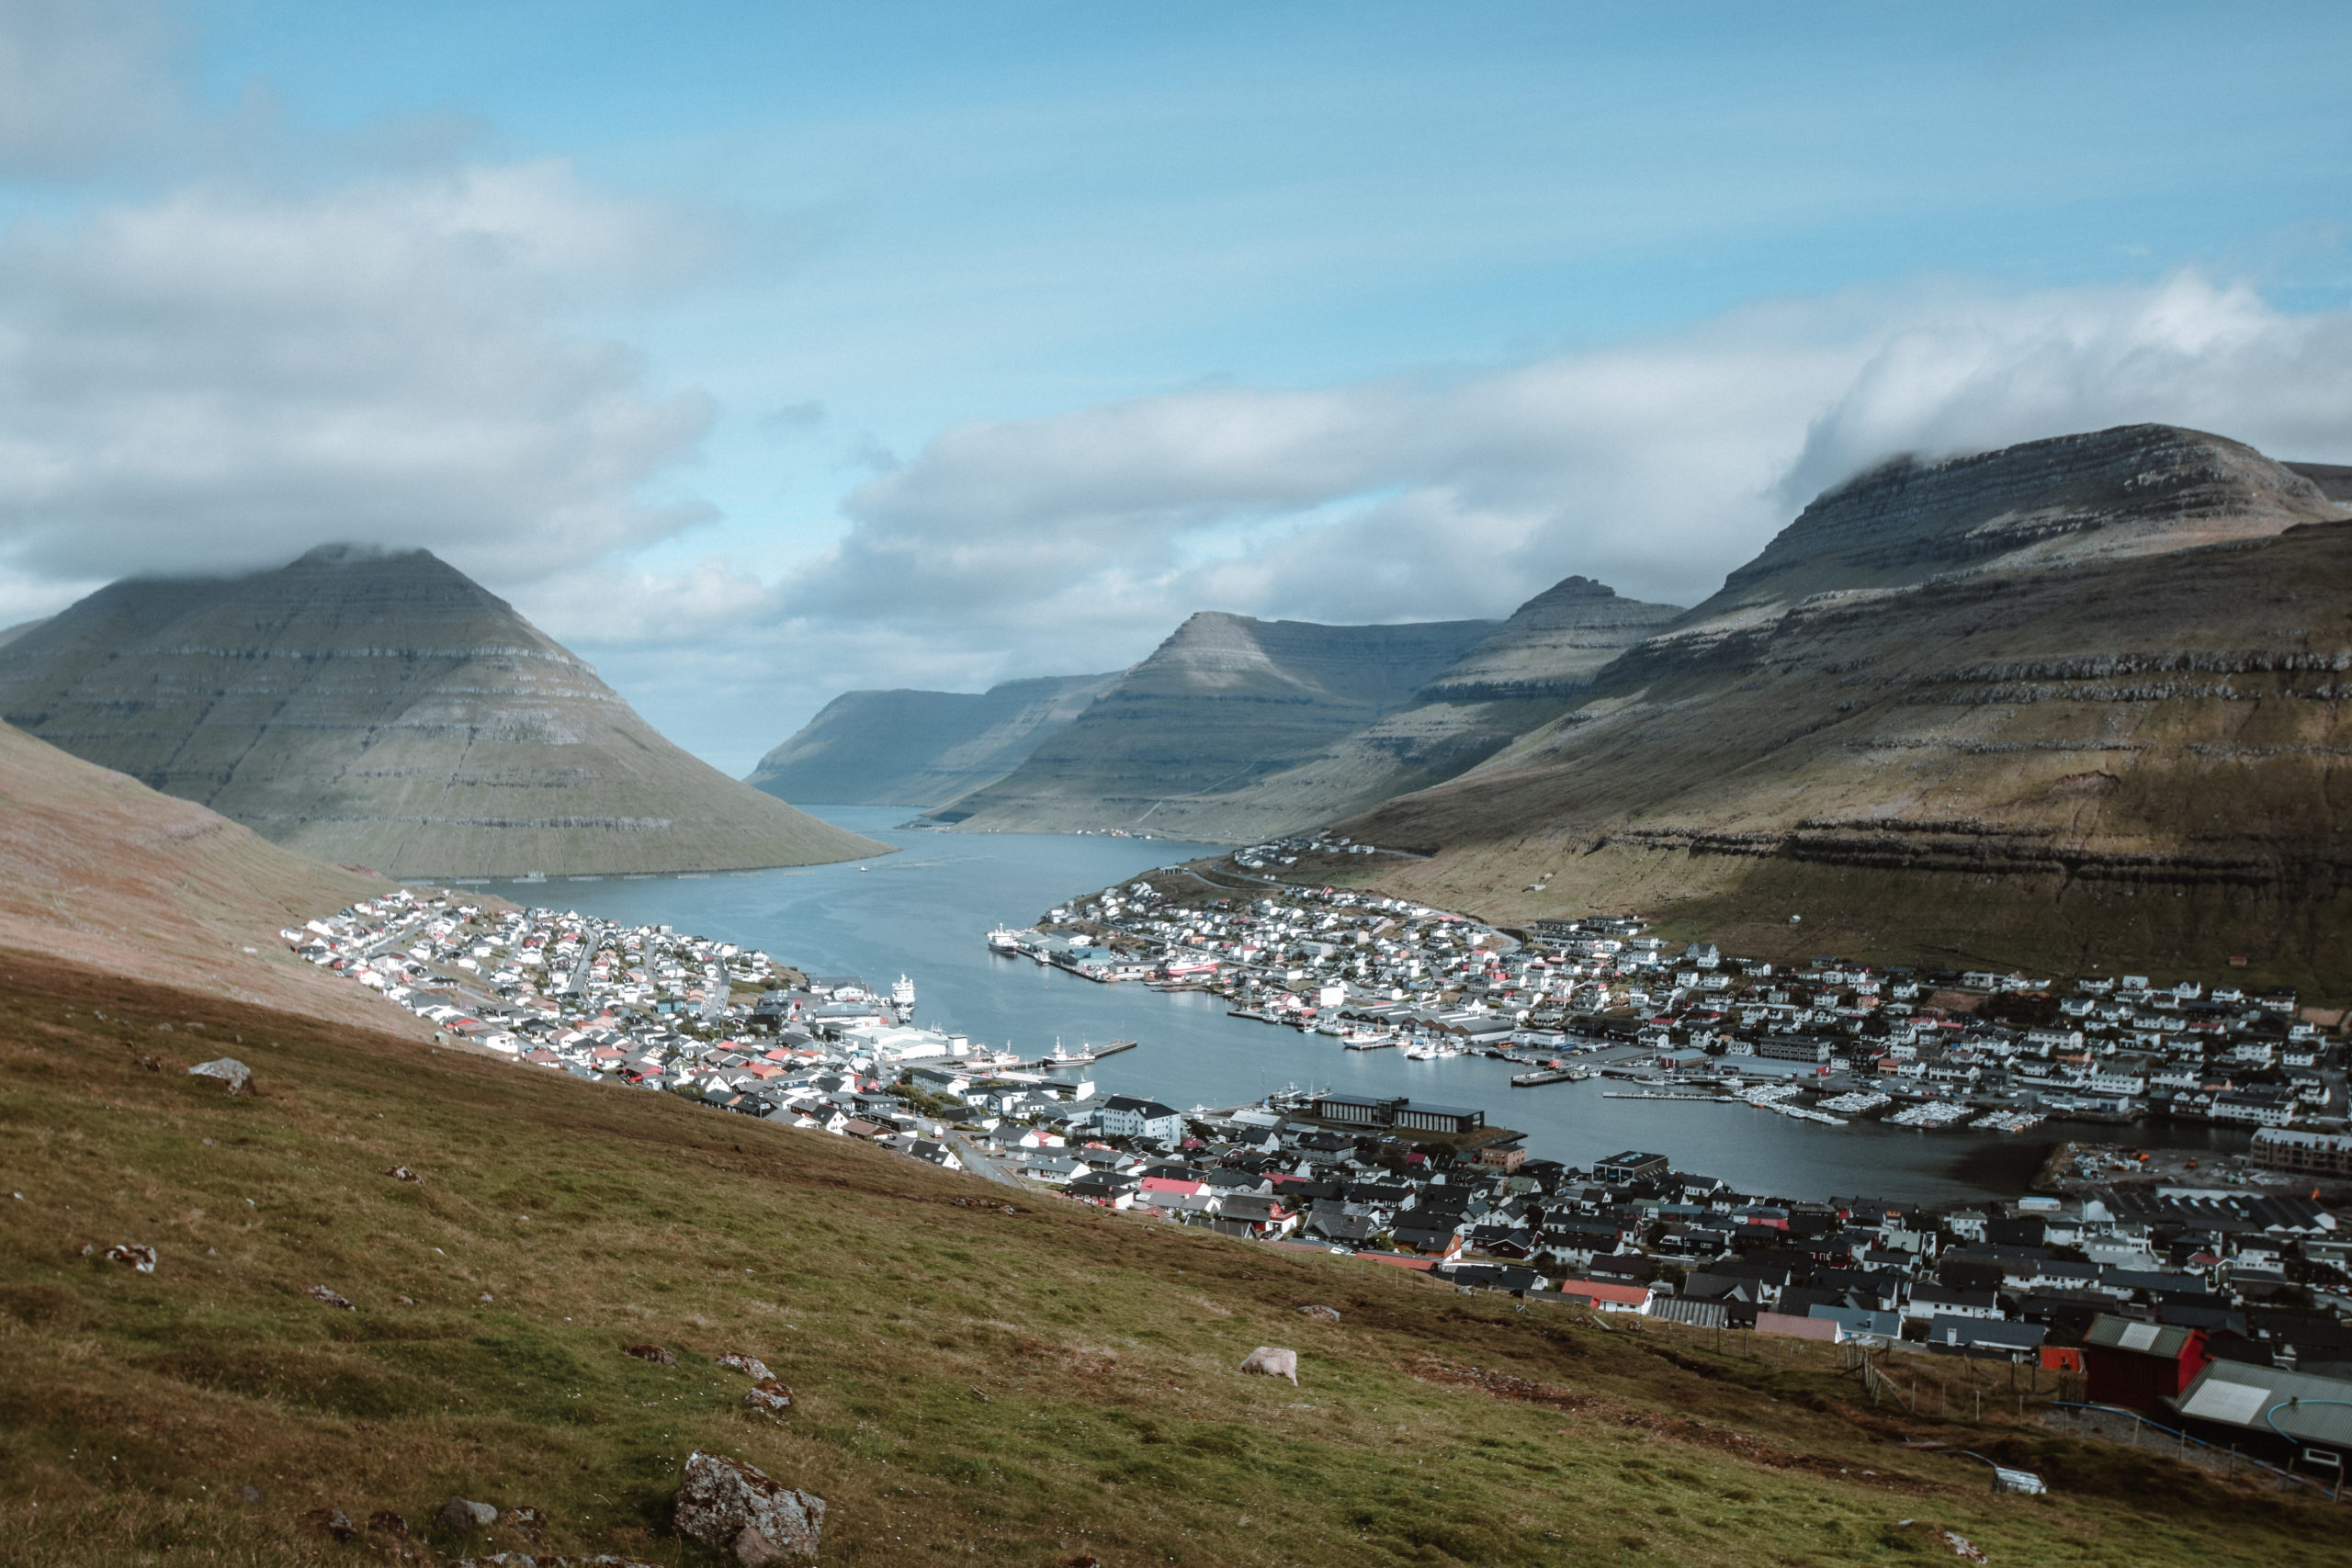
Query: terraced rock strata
[
  {"x": 922, "y": 749},
  {"x": 1225, "y": 703},
  {"x": 381, "y": 709},
  {"x": 2080, "y": 697}
]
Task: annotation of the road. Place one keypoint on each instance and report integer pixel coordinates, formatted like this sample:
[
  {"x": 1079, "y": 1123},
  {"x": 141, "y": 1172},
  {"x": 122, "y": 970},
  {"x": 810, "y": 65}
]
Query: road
[{"x": 981, "y": 1164}]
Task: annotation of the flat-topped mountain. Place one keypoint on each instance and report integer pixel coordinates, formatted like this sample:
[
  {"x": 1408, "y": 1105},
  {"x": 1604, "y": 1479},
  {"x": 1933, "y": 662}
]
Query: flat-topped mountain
[
  {"x": 1551, "y": 646},
  {"x": 922, "y": 749},
  {"x": 381, "y": 709},
  {"x": 2135, "y": 490},
  {"x": 2078, "y": 698},
  {"x": 1227, "y": 700}
]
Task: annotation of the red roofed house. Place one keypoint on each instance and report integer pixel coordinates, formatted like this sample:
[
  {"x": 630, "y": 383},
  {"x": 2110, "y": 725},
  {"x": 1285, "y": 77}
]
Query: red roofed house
[{"x": 1610, "y": 1295}]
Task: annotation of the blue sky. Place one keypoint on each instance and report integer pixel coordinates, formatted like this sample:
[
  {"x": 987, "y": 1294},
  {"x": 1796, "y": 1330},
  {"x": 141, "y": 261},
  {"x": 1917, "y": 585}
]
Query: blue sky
[{"x": 796, "y": 324}]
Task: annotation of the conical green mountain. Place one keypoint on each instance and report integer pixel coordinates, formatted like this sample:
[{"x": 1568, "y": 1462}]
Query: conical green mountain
[{"x": 381, "y": 709}]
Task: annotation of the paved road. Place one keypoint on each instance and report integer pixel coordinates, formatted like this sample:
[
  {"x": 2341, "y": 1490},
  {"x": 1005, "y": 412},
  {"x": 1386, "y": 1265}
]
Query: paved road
[{"x": 982, "y": 1164}]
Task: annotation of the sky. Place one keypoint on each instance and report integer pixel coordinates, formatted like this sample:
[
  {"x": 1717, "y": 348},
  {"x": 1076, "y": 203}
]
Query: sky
[{"x": 763, "y": 352}]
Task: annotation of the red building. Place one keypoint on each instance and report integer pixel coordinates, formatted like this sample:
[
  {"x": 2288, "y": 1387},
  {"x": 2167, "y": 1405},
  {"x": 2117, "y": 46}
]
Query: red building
[{"x": 2139, "y": 1365}]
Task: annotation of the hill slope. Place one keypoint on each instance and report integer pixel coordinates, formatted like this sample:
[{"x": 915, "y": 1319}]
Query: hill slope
[
  {"x": 1045, "y": 1386},
  {"x": 98, "y": 868},
  {"x": 1226, "y": 701},
  {"x": 920, "y": 749},
  {"x": 382, "y": 709},
  {"x": 2076, "y": 697}
]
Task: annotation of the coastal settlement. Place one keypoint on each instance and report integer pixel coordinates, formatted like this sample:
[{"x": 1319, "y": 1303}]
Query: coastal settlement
[{"x": 2218, "y": 1310}]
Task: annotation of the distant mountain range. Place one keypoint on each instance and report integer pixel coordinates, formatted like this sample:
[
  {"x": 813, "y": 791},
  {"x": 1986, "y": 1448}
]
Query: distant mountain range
[
  {"x": 380, "y": 709},
  {"x": 922, "y": 749},
  {"x": 2077, "y": 693},
  {"x": 1232, "y": 730},
  {"x": 2080, "y": 699}
]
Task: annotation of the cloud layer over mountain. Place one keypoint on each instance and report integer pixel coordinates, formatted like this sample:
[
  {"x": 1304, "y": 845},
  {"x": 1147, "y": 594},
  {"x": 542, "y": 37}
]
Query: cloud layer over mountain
[
  {"x": 225, "y": 338},
  {"x": 1015, "y": 547}
]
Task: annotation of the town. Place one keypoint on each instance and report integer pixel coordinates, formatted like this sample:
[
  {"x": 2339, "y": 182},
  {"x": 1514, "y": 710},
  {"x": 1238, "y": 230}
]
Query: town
[
  {"x": 1828, "y": 1042},
  {"x": 2215, "y": 1307}
]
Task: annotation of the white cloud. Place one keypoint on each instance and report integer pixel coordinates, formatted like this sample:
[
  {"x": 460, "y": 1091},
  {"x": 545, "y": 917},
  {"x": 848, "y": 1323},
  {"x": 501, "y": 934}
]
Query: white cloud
[
  {"x": 81, "y": 79},
  {"x": 220, "y": 376},
  {"x": 1655, "y": 466},
  {"x": 1076, "y": 542}
]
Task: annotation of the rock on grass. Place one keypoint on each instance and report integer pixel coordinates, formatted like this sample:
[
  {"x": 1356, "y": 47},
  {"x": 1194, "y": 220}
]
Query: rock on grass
[{"x": 725, "y": 1503}]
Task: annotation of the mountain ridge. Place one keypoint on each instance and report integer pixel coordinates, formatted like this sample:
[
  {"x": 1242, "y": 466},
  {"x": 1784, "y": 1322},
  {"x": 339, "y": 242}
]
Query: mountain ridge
[
  {"x": 920, "y": 749},
  {"x": 1224, "y": 699},
  {"x": 2121, "y": 732},
  {"x": 381, "y": 708}
]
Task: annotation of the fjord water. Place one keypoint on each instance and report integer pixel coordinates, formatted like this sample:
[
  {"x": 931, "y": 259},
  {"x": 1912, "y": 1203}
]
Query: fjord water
[{"x": 926, "y": 910}]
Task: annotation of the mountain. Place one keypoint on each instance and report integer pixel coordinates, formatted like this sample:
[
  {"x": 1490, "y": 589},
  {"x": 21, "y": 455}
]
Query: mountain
[
  {"x": 99, "y": 869},
  {"x": 922, "y": 749},
  {"x": 1552, "y": 646},
  {"x": 2076, "y": 700},
  {"x": 1520, "y": 676},
  {"x": 1226, "y": 701},
  {"x": 380, "y": 708}
]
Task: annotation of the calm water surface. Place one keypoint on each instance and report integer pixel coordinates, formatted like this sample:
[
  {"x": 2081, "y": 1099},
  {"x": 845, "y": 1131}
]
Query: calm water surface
[{"x": 925, "y": 911}]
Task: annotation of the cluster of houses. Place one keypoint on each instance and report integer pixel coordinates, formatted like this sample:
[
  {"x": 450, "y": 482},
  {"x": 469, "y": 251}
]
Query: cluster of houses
[
  {"x": 1925, "y": 1047},
  {"x": 647, "y": 1008},
  {"x": 2224, "y": 1312},
  {"x": 2245, "y": 1290}
]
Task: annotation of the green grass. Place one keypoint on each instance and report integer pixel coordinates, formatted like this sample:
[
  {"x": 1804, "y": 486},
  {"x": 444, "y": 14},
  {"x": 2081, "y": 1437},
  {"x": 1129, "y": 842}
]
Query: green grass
[{"x": 973, "y": 1385}]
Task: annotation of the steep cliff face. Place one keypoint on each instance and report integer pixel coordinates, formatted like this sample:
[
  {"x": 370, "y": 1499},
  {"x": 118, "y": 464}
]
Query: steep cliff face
[
  {"x": 1224, "y": 702},
  {"x": 2078, "y": 697},
  {"x": 381, "y": 709},
  {"x": 922, "y": 749}
]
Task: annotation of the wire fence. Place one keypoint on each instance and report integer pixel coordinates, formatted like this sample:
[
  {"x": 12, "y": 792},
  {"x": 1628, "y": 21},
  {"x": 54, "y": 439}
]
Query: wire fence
[{"x": 2119, "y": 1424}]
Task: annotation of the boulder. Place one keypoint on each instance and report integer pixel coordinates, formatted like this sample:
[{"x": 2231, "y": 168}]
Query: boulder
[
  {"x": 139, "y": 1257},
  {"x": 743, "y": 1363},
  {"x": 1321, "y": 1314},
  {"x": 660, "y": 1355},
  {"x": 768, "y": 1395},
  {"x": 458, "y": 1514},
  {"x": 725, "y": 1503},
  {"x": 1268, "y": 1361},
  {"x": 233, "y": 1075}
]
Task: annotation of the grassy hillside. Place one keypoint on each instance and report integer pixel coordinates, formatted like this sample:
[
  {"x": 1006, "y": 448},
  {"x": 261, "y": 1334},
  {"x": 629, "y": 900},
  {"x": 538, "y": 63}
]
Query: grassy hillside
[
  {"x": 1047, "y": 1385},
  {"x": 98, "y": 867}
]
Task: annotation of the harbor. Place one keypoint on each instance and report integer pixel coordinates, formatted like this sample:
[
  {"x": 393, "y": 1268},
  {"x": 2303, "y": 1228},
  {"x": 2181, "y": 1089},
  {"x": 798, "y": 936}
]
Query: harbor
[{"x": 927, "y": 911}]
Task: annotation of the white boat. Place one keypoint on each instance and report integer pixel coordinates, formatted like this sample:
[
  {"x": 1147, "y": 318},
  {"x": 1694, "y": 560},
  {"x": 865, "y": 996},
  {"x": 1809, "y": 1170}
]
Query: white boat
[{"x": 1004, "y": 939}]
